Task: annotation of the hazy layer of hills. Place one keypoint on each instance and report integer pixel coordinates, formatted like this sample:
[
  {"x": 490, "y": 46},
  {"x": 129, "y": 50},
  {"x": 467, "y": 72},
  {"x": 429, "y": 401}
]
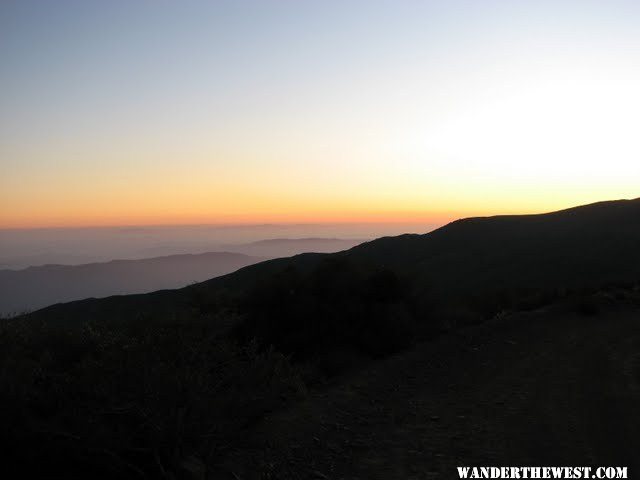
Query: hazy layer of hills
[
  {"x": 40, "y": 286},
  {"x": 475, "y": 259},
  {"x": 37, "y": 287},
  {"x": 22, "y": 248}
]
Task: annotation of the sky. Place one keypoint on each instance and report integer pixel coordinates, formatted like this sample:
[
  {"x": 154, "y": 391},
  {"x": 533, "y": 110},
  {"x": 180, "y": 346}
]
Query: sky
[{"x": 143, "y": 112}]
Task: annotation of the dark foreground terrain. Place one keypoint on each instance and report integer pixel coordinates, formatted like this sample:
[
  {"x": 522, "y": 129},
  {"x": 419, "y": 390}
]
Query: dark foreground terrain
[
  {"x": 541, "y": 388},
  {"x": 556, "y": 386},
  {"x": 394, "y": 359}
]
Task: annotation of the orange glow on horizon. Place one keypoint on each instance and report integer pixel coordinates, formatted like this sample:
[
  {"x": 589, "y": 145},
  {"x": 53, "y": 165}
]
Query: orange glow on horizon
[
  {"x": 145, "y": 215},
  {"x": 237, "y": 219},
  {"x": 318, "y": 114}
]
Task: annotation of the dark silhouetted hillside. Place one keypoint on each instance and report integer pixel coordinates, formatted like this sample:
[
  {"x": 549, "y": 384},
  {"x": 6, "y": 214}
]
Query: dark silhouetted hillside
[
  {"x": 580, "y": 247},
  {"x": 483, "y": 263},
  {"x": 205, "y": 381}
]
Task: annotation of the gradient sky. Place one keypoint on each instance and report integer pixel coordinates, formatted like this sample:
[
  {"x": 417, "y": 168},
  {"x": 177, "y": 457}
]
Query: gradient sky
[{"x": 157, "y": 112}]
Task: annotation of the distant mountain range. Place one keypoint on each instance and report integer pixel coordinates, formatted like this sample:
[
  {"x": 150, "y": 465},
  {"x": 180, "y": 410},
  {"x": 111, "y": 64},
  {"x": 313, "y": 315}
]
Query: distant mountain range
[
  {"x": 22, "y": 248},
  {"x": 36, "y": 287},
  {"x": 489, "y": 257},
  {"x": 286, "y": 247}
]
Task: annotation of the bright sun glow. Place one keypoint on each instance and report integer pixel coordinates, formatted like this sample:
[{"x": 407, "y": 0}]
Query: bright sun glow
[
  {"x": 566, "y": 127},
  {"x": 416, "y": 111}
]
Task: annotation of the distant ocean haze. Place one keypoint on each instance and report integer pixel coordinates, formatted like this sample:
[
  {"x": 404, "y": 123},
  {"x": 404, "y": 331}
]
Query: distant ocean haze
[{"x": 21, "y": 248}]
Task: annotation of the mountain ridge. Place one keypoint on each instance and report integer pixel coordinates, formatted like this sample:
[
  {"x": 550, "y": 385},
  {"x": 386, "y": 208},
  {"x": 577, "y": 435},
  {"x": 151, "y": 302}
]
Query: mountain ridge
[
  {"x": 578, "y": 247},
  {"x": 39, "y": 286}
]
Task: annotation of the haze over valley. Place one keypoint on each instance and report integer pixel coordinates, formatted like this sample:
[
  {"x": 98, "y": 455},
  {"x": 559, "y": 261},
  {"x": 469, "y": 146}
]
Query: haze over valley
[
  {"x": 60, "y": 276},
  {"x": 21, "y": 248}
]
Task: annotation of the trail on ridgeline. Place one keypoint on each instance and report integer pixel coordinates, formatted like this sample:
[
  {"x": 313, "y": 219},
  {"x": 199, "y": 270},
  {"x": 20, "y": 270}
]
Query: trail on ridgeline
[{"x": 541, "y": 388}]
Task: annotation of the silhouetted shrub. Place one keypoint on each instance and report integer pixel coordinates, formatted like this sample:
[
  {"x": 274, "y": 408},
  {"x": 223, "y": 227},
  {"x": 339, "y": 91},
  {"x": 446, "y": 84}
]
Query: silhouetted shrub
[
  {"x": 585, "y": 304},
  {"x": 534, "y": 299},
  {"x": 339, "y": 305},
  {"x": 329, "y": 364},
  {"x": 450, "y": 317}
]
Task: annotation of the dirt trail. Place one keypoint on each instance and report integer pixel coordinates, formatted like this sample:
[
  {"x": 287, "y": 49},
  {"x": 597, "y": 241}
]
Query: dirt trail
[{"x": 531, "y": 389}]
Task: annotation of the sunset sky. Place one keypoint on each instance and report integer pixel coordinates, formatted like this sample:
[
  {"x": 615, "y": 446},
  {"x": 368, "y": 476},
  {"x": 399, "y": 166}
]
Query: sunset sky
[{"x": 176, "y": 112}]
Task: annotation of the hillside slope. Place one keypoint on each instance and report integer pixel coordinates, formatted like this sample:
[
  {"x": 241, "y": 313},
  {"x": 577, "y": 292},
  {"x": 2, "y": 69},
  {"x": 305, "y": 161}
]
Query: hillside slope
[
  {"x": 578, "y": 247},
  {"x": 349, "y": 365},
  {"x": 581, "y": 247}
]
